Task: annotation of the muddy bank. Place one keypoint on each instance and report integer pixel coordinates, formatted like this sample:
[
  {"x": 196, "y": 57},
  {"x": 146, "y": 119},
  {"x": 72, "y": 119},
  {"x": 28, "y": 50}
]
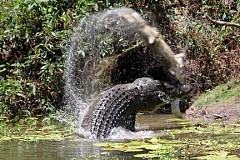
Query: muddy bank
[{"x": 222, "y": 111}]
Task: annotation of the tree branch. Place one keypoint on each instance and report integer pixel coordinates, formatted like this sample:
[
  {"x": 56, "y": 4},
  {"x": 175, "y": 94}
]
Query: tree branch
[{"x": 221, "y": 22}]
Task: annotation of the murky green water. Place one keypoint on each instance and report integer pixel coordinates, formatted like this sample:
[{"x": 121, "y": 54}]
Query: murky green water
[
  {"x": 173, "y": 139},
  {"x": 52, "y": 150}
]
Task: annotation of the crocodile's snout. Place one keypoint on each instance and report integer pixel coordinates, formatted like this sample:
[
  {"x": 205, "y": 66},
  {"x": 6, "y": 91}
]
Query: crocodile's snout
[
  {"x": 176, "y": 89},
  {"x": 146, "y": 85}
]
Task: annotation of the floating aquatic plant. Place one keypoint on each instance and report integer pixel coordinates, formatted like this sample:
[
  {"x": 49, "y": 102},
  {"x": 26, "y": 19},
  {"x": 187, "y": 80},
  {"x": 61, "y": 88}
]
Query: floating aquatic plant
[
  {"x": 32, "y": 130},
  {"x": 215, "y": 141}
]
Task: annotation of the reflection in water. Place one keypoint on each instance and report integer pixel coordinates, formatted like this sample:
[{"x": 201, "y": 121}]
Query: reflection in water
[
  {"x": 47, "y": 150},
  {"x": 159, "y": 122},
  {"x": 80, "y": 148}
]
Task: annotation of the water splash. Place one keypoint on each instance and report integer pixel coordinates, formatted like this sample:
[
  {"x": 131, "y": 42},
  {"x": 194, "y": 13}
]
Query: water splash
[
  {"x": 100, "y": 35},
  {"x": 118, "y": 133},
  {"x": 121, "y": 133},
  {"x": 95, "y": 43}
]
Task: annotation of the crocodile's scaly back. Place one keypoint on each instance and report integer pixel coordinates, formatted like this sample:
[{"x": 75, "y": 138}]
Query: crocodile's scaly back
[
  {"x": 110, "y": 109},
  {"x": 117, "y": 106}
]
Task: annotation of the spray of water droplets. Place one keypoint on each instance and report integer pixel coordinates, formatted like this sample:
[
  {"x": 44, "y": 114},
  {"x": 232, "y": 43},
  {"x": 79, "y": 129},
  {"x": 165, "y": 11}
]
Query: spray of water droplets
[{"x": 100, "y": 35}]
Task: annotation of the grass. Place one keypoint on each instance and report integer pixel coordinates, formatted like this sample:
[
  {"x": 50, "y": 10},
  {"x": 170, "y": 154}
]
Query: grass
[{"x": 224, "y": 92}]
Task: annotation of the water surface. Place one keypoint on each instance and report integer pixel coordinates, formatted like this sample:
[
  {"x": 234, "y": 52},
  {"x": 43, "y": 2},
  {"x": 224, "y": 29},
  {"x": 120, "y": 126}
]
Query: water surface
[
  {"x": 173, "y": 139},
  {"x": 78, "y": 148}
]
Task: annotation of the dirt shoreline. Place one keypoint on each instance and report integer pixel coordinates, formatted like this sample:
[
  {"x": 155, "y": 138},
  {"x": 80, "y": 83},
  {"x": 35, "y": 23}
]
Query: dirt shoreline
[{"x": 222, "y": 111}]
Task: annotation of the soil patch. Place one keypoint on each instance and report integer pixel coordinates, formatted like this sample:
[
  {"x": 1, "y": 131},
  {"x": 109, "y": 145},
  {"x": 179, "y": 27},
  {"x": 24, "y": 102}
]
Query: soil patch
[{"x": 227, "y": 111}]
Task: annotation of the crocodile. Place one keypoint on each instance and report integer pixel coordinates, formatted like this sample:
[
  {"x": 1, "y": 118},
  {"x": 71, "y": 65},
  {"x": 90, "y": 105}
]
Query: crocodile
[{"x": 118, "y": 106}]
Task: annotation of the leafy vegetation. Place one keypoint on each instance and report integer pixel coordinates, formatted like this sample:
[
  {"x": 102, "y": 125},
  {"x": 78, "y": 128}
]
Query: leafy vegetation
[
  {"x": 33, "y": 35},
  {"x": 213, "y": 52},
  {"x": 211, "y": 48},
  {"x": 34, "y": 129}
]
